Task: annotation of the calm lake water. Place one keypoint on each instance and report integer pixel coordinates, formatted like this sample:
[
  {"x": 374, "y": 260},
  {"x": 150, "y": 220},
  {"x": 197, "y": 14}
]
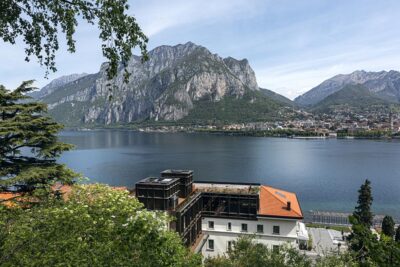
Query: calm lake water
[{"x": 325, "y": 174}]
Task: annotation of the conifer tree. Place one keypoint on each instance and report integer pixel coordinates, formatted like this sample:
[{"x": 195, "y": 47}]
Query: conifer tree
[
  {"x": 29, "y": 145},
  {"x": 397, "y": 236},
  {"x": 361, "y": 239},
  {"x": 363, "y": 210},
  {"x": 388, "y": 226}
]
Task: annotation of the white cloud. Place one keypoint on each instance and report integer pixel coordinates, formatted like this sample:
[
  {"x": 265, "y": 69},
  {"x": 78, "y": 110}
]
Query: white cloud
[{"x": 156, "y": 16}]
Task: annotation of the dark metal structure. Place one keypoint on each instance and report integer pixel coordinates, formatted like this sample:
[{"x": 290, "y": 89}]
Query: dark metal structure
[
  {"x": 158, "y": 193},
  {"x": 185, "y": 180},
  {"x": 162, "y": 194},
  {"x": 229, "y": 205},
  {"x": 188, "y": 218}
]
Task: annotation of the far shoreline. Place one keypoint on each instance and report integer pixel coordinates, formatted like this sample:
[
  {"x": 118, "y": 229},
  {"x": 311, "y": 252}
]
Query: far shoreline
[{"x": 281, "y": 133}]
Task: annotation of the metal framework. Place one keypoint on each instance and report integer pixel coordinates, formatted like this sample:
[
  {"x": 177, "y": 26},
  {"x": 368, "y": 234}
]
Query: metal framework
[
  {"x": 158, "y": 193},
  {"x": 237, "y": 201},
  {"x": 185, "y": 180}
]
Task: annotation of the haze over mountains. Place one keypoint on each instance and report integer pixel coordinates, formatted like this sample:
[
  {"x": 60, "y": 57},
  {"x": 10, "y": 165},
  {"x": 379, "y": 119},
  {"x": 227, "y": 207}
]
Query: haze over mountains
[{"x": 187, "y": 83}]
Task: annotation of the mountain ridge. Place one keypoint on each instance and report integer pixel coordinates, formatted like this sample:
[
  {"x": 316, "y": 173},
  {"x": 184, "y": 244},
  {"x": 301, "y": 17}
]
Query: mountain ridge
[
  {"x": 352, "y": 97},
  {"x": 173, "y": 82},
  {"x": 384, "y": 84}
]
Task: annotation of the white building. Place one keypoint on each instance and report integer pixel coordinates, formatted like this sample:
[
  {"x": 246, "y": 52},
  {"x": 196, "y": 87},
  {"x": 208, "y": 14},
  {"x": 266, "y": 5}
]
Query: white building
[
  {"x": 278, "y": 222},
  {"x": 209, "y": 216}
]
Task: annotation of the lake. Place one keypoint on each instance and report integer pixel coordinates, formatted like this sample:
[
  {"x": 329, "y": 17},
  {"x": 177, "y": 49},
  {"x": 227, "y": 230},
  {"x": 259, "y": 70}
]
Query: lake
[{"x": 325, "y": 173}]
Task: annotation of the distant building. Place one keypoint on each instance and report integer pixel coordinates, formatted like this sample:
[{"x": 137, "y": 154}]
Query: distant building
[{"x": 211, "y": 215}]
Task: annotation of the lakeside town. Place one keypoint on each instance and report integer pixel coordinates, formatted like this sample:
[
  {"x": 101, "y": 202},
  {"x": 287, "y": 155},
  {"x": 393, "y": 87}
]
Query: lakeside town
[{"x": 304, "y": 125}]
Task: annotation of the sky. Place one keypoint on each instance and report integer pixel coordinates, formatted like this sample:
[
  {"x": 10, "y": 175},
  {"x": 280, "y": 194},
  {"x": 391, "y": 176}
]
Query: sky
[{"x": 292, "y": 45}]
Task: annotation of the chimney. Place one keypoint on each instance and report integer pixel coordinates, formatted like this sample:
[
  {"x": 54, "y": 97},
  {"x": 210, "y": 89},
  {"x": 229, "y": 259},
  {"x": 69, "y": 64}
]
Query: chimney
[{"x": 288, "y": 205}]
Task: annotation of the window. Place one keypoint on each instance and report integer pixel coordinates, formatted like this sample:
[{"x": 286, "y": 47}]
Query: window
[
  {"x": 210, "y": 225},
  {"x": 229, "y": 246},
  {"x": 210, "y": 244},
  {"x": 275, "y": 248},
  {"x": 260, "y": 228},
  {"x": 275, "y": 230},
  {"x": 244, "y": 227},
  {"x": 229, "y": 226}
]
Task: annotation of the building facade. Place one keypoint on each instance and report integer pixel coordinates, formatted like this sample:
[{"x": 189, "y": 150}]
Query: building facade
[{"x": 210, "y": 216}]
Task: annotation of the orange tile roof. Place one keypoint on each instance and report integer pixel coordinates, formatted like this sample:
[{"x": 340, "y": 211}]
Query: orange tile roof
[
  {"x": 8, "y": 195},
  {"x": 6, "y": 198},
  {"x": 273, "y": 202}
]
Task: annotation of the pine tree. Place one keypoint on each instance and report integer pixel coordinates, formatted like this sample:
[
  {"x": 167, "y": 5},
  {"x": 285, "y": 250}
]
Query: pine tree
[
  {"x": 28, "y": 143},
  {"x": 388, "y": 226},
  {"x": 397, "y": 236},
  {"x": 361, "y": 239},
  {"x": 363, "y": 210}
]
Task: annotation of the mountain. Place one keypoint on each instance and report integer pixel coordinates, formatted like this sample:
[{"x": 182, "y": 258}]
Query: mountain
[
  {"x": 55, "y": 84},
  {"x": 277, "y": 97},
  {"x": 385, "y": 85},
  {"x": 185, "y": 82},
  {"x": 350, "y": 98}
]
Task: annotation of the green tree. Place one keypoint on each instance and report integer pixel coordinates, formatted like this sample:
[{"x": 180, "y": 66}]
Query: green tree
[
  {"x": 388, "y": 226},
  {"x": 333, "y": 260},
  {"x": 246, "y": 252},
  {"x": 28, "y": 143},
  {"x": 362, "y": 211},
  {"x": 362, "y": 240},
  {"x": 367, "y": 249},
  {"x": 95, "y": 226},
  {"x": 397, "y": 236},
  {"x": 39, "y": 22}
]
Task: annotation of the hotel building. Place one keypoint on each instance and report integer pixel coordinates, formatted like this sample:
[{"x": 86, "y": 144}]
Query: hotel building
[{"x": 211, "y": 215}]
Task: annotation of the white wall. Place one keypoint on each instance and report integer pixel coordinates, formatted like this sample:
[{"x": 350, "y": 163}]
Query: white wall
[{"x": 221, "y": 235}]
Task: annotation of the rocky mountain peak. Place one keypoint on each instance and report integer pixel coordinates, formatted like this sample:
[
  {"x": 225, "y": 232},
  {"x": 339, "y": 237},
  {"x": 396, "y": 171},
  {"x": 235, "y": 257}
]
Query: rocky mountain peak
[
  {"x": 56, "y": 83},
  {"x": 383, "y": 83},
  {"x": 165, "y": 87}
]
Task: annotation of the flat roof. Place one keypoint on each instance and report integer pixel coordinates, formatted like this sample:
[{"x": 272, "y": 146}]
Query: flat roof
[
  {"x": 158, "y": 180},
  {"x": 172, "y": 171},
  {"x": 228, "y": 188}
]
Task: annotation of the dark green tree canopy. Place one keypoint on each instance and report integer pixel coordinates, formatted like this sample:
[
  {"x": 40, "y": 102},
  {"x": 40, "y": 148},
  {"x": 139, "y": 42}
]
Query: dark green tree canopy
[
  {"x": 28, "y": 142},
  {"x": 397, "y": 235},
  {"x": 388, "y": 226},
  {"x": 363, "y": 210},
  {"x": 39, "y": 22}
]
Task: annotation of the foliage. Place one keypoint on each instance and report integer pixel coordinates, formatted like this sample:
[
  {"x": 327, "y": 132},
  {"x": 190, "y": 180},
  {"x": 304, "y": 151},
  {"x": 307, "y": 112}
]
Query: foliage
[
  {"x": 28, "y": 142},
  {"x": 333, "y": 260},
  {"x": 253, "y": 106},
  {"x": 353, "y": 99},
  {"x": 38, "y": 23},
  {"x": 363, "y": 212},
  {"x": 367, "y": 134},
  {"x": 397, "y": 235},
  {"x": 246, "y": 252},
  {"x": 95, "y": 226},
  {"x": 362, "y": 242},
  {"x": 388, "y": 226},
  {"x": 368, "y": 250}
]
